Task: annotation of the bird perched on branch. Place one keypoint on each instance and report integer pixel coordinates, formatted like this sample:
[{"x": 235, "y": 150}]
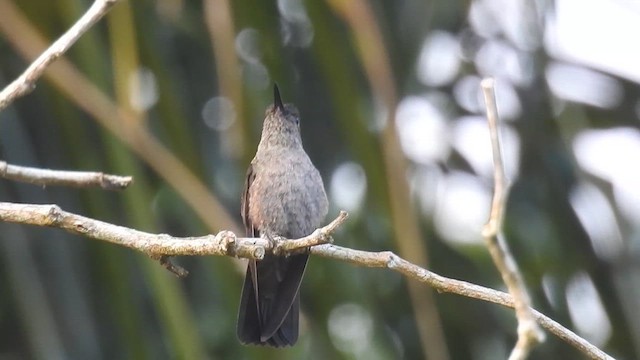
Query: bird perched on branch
[{"x": 283, "y": 197}]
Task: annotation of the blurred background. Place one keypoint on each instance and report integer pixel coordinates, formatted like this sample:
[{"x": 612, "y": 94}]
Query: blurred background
[{"x": 173, "y": 92}]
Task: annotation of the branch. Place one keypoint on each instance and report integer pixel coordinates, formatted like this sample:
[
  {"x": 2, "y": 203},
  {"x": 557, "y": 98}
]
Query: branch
[
  {"x": 529, "y": 333},
  {"x": 26, "y": 82},
  {"x": 225, "y": 243},
  {"x": 387, "y": 259},
  {"x": 318, "y": 237},
  {"x": 80, "y": 179}
]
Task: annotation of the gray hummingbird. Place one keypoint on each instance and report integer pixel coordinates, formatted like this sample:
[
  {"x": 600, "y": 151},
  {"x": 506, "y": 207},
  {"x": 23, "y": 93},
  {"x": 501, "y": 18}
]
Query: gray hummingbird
[{"x": 283, "y": 197}]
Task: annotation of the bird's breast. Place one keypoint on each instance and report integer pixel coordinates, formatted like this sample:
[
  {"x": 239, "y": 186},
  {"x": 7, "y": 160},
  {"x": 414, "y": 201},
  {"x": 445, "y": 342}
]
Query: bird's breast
[{"x": 287, "y": 198}]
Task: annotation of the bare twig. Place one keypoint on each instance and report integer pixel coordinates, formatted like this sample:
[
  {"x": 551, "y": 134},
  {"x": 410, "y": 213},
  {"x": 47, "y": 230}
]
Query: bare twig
[
  {"x": 26, "y": 82},
  {"x": 529, "y": 333},
  {"x": 46, "y": 177},
  {"x": 318, "y": 237},
  {"x": 225, "y": 243},
  {"x": 179, "y": 271},
  {"x": 493, "y": 226}
]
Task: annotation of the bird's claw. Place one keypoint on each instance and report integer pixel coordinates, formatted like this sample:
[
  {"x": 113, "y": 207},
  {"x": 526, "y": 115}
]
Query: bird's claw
[{"x": 274, "y": 242}]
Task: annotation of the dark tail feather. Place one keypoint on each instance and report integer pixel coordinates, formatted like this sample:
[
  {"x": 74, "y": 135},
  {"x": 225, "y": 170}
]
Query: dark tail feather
[
  {"x": 248, "y": 330},
  {"x": 274, "y": 320}
]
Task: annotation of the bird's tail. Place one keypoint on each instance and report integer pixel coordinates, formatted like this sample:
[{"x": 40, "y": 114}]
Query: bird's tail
[{"x": 270, "y": 302}]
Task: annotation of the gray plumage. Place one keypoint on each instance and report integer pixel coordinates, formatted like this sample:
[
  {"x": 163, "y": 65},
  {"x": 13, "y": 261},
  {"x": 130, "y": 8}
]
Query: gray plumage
[{"x": 284, "y": 196}]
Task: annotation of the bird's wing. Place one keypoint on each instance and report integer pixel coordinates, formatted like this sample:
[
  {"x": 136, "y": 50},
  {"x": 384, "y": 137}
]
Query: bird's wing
[
  {"x": 244, "y": 203},
  {"x": 250, "y": 230},
  {"x": 269, "y": 305}
]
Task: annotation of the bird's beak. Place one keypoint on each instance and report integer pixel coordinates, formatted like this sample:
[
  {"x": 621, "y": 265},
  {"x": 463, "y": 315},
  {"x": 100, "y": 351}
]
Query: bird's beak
[{"x": 277, "y": 101}]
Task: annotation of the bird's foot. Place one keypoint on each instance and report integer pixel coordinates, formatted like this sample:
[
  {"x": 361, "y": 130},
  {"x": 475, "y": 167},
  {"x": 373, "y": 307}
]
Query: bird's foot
[{"x": 275, "y": 241}]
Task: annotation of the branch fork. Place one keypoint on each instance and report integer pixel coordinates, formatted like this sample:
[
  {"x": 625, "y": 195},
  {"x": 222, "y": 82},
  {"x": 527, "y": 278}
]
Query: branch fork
[{"x": 280, "y": 246}]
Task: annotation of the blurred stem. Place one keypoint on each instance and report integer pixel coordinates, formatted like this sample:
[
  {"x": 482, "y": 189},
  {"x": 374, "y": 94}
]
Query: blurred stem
[
  {"x": 219, "y": 20},
  {"x": 28, "y": 290},
  {"x": 170, "y": 301},
  {"x": 411, "y": 244},
  {"x": 124, "y": 58},
  {"x": 330, "y": 51},
  {"x": 169, "y": 115},
  {"x": 90, "y": 55},
  {"x": 341, "y": 80}
]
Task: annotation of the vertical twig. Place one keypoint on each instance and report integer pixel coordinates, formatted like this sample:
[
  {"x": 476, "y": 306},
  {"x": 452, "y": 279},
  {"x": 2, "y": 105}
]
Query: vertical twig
[{"x": 529, "y": 333}]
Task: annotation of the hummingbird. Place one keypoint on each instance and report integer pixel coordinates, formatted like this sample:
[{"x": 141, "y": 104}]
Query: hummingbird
[{"x": 283, "y": 196}]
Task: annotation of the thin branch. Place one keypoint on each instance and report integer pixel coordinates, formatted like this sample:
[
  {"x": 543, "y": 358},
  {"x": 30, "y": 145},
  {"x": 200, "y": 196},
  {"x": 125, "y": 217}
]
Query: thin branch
[
  {"x": 26, "y": 82},
  {"x": 529, "y": 333},
  {"x": 318, "y": 237},
  {"x": 500, "y": 189},
  {"x": 80, "y": 179},
  {"x": 225, "y": 243}
]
